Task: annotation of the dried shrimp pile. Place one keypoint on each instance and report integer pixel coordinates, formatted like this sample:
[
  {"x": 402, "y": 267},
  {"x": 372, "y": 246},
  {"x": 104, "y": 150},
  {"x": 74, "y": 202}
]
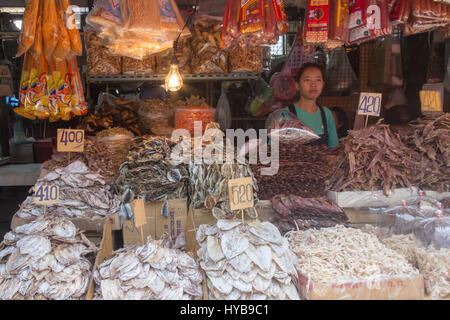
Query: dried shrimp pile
[
  {"x": 149, "y": 272},
  {"x": 82, "y": 194},
  {"x": 96, "y": 156},
  {"x": 246, "y": 261},
  {"x": 45, "y": 259},
  {"x": 296, "y": 212},
  {"x": 148, "y": 171},
  {"x": 340, "y": 255}
]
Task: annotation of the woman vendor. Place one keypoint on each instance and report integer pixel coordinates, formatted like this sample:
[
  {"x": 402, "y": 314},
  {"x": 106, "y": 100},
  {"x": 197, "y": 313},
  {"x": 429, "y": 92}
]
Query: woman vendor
[{"x": 310, "y": 83}]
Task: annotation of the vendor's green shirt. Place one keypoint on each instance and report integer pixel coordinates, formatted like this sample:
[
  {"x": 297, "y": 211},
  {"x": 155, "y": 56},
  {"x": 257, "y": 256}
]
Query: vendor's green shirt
[{"x": 314, "y": 121}]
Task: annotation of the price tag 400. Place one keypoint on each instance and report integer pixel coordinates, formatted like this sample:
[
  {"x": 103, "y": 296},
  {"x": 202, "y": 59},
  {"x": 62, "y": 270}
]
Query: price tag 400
[
  {"x": 240, "y": 192},
  {"x": 46, "y": 194},
  {"x": 369, "y": 104},
  {"x": 70, "y": 140}
]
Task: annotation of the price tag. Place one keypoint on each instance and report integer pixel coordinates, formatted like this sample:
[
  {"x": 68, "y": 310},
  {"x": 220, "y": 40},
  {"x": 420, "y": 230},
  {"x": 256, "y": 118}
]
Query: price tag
[
  {"x": 139, "y": 212},
  {"x": 430, "y": 101},
  {"x": 46, "y": 194},
  {"x": 240, "y": 192},
  {"x": 369, "y": 104},
  {"x": 70, "y": 140}
]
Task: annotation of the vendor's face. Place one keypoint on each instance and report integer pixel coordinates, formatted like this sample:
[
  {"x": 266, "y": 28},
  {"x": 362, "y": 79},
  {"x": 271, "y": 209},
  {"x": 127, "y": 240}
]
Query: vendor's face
[{"x": 311, "y": 84}]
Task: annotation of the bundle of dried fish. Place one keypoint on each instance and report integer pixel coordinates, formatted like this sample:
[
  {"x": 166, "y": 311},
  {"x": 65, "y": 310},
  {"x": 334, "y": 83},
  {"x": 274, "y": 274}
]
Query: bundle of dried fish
[
  {"x": 112, "y": 112},
  {"x": 246, "y": 261},
  {"x": 95, "y": 156},
  {"x": 149, "y": 272},
  {"x": 117, "y": 141},
  {"x": 342, "y": 255},
  {"x": 45, "y": 259},
  {"x": 82, "y": 194},
  {"x": 303, "y": 170},
  {"x": 294, "y": 212},
  {"x": 373, "y": 159},
  {"x": 149, "y": 172},
  {"x": 431, "y": 139}
]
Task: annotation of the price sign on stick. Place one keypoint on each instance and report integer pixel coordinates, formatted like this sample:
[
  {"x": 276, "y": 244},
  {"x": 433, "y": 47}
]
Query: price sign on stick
[
  {"x": 240, "y": 192},
  {"x": 46, "y": 194},
  {"x": 369, "y": 104},
  {"x": 430, "y": 101},
  {"x": 70, "y": 140}
]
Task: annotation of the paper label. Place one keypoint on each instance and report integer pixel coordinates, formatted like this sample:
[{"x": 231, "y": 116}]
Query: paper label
[
  {"x": 139, "y": 212},
  {"x": 240, "y": 192},
  {"x": 70, "y": 140},
  {"x": 430, "y": 101},
  {"x": 46, "y": 194},
  {"x": 369, "y": 104}
]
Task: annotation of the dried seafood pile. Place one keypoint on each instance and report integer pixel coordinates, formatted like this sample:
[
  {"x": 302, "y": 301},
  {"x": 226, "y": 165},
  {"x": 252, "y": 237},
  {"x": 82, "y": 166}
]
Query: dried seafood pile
[
  {"x": 246, "y": 261},
  {"x": 148, "y": 171},
  {"x": 207, "y": 55},
  {"x": 431, "y": 139},
  {"x": 296, "y": 212},
  {"x": 373, "y": 159},
  {"x": 118, "y": 142},
  {"x": 45, "y": 259},
  {"x": 246, "y": 60},
  {"x": 136, "y": 66},
  {"x": 149, "y": 272},
  {"x": 154, "y": 112},
  {"x": 96, "y": 156},
  {"x": 303, "y": 170},
  {"x": 82, "y": 194},
  {"x": 432, "y": 264},
  {"x": 112, "y": 112},
  {"x": 100, "y": 61},
  {"x": 340, "y": 255}
]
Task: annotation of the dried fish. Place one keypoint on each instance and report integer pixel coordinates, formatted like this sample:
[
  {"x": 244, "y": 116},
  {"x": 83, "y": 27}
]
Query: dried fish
[
  {"x": 247, "y": 269},
  {"x": 148, "y": 272}
]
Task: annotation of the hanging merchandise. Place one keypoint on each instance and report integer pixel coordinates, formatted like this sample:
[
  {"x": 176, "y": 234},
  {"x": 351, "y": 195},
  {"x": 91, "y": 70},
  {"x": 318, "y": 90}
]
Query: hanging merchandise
[
  {"x": 341, "y": 78},
  {"x": 223, "y": 112},
  {"x": 299, "y": 55},
  {"x": 317, "y": 21},
  {"x": 339, "y": 20},
  {"x": 29, "y": 25},
  {"x": 427, "y": 15},
  {"x": 137, "y": 28},
  {"x": 369, "y": 19},
  {"x": 399, "y": 11},
  {"x": 253, "y": 22}
]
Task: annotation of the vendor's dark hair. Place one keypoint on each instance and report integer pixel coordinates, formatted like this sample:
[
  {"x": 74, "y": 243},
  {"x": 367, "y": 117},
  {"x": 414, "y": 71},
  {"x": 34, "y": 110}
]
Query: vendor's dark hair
[{"x": 307, "y": 66}]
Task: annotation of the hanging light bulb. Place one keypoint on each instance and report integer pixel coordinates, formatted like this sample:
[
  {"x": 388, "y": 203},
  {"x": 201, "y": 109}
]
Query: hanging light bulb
[{"x": 174, "y": 82}]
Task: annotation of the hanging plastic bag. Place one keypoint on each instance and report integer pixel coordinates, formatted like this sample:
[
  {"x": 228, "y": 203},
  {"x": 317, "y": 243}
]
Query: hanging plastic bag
[
  {"x": 50, "y": 29},
  {"x": 74, "y": 35},
  {"x": 63, "y": 48},
  {"x": 317, "y": 21},
  {"x": 289, "y": 128},
  {"x": 105, "y": 14},
  {"x": 29, "y": 27},
  {"x": 223, "y": 112},
  {"x": 340, "y": 77}
]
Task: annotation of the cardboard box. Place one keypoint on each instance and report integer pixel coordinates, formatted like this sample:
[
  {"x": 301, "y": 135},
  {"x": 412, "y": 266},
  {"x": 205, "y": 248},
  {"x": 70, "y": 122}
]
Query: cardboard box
[
  {"x": 156, "y": 224},
  {"x": 83, "y": 224},
  {"x": 360, "y": 199},
  {"x": 107, "y": 251},
  {"x": 394, "y": 288}
]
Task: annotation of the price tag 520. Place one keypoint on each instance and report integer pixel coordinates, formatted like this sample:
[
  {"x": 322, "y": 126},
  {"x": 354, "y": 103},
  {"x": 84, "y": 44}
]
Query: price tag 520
[
  {"x": 369, "y": 104},
  {"x": 240, "y": 193},
  {"x": 70, "y": 140},
  {"x": 46, "y": 194}
]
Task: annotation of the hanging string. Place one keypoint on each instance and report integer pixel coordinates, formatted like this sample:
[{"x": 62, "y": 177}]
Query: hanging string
[{"x": 192, "y": 13}]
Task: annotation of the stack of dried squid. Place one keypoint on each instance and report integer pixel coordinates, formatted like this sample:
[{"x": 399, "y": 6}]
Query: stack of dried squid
[
  {"x": 374, "y": 159},
  {"x": 431, "y": 139},
  {"x": 303, "y": 170},
  {"x": 82, "y": 194},
  {"x": 48, "y": 258},
  {"x": 296, "y": 212},
  {"x": 149, "y": 272},
  {"x": 246, "y": 261},
  {"x": 148, "y": 171},
  {"x": 340, "y": 255},
  {"x": 96, "y": 156}
]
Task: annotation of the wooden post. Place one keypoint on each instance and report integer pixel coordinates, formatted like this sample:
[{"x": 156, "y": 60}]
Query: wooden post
[{"x": 367, "y": 119}]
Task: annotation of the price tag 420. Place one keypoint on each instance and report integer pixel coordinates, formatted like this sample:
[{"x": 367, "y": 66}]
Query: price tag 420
[
  {"x": 46, "y": 194},
  {"x": 240, "y": 192},
  {"x": 369, "y": 104},
  {"x": 70, "y": 140}
]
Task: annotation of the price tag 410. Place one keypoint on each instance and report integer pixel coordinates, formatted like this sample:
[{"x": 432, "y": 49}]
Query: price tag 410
[
  {"x": 369, "y": 104},
  {"x": 46, "y": 194},
  {"x": 70, "y": 140},
  {"x": 240, "y": 192}
]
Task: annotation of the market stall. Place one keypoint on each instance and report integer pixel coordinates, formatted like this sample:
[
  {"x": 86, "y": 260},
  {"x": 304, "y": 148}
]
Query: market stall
[{"x": 146, "y": 195}]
